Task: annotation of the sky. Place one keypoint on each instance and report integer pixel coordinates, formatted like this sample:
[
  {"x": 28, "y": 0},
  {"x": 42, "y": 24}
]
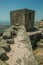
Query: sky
[{"x": 9, "y": 5}]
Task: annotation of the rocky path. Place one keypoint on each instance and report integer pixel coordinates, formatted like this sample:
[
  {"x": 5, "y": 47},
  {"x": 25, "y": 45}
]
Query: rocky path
[{"x": 21, "y": 51}]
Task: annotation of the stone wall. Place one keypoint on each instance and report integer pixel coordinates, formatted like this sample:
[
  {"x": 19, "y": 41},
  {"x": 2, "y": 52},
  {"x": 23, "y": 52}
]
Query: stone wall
[
  {"x": 29, "y": 19},
  {"x": 17, "y": 16},
  {"x": 23, "y": 17}
]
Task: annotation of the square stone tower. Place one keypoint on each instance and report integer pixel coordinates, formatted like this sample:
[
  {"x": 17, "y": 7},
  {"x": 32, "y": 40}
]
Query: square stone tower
[{"x": 23, "y": 17}]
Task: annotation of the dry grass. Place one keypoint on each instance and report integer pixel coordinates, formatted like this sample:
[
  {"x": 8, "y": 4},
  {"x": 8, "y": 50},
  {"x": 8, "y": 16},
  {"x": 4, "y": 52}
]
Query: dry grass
[{"x": 39, "y": 55}]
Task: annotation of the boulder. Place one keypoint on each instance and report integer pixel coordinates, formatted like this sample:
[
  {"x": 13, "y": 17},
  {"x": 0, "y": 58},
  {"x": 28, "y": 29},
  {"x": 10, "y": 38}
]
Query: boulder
[
  {"x": 3, "y": 55},
  {"x": 42, "y": 35},
  {"x": 5, "y": 46},
  {"x": 10, "y": 41},
  {"x": 7, "y": 35}
]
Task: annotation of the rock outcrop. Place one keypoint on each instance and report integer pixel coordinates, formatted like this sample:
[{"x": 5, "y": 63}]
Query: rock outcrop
[
  {"x": 21, "y": 52},
  {"x": 39, "y": 24}
]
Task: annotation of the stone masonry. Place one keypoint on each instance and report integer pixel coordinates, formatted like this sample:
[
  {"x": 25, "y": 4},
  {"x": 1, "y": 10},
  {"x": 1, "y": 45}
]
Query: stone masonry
[{"x": 23, "y": 17}]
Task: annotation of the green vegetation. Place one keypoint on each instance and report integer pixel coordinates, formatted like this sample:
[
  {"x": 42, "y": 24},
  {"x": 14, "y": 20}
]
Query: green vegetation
[
  {"x": 26, "y": 61},
  {"x": 41, "y": 40},
  {"x": 18, "y": 61},
  {"x": 2, "y": 51},
  {"x": 2, "y": 63}
]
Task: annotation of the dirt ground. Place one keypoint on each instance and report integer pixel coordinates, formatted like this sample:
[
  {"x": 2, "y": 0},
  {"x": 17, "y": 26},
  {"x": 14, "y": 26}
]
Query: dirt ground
[{"x": 39, "y": 55}]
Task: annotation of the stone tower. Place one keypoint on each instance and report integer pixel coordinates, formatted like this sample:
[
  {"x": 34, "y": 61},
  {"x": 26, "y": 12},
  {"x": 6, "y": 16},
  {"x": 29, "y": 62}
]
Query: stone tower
[{"x": 23, "y": 17}]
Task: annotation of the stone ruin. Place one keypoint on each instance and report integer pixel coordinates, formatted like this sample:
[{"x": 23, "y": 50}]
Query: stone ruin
[
  {"x": 21, "y": 22},
  {"x": 23, "y": 17}
]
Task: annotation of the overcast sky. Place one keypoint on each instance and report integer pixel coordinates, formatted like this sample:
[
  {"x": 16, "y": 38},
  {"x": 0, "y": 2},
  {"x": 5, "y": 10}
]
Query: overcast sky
[{"x": 8, "y": 5}]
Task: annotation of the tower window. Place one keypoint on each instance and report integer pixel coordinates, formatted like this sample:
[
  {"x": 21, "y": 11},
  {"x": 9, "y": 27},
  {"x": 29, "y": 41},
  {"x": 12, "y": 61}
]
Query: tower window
[{"x": 29, "y": 16}]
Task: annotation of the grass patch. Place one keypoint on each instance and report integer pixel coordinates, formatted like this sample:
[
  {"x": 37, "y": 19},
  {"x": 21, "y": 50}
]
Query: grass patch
[
  {"x": 41, "y": 40},
  {"x": 18, "y": 61},
  {"x": 2, "y": 63}
]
